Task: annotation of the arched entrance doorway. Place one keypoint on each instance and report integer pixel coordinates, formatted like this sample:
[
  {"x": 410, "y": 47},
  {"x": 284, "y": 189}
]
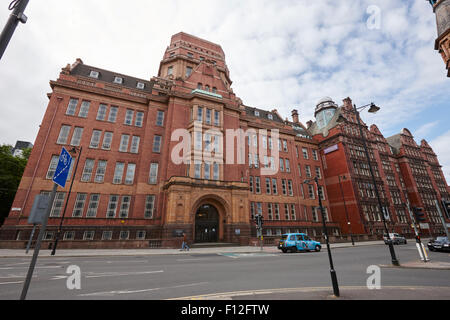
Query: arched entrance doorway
[{"x": 206, "y": 224}]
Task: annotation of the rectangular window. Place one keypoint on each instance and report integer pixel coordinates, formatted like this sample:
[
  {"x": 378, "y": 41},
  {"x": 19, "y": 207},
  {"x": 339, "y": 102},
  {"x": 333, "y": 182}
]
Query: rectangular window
[
  {"x": 87, "y": 171},
  {"x": 200, "y": 114},
  {"x": 101, "y": 170},
  {"x": 311, "y": 191},
  {"x": 125, "y": 207},
  {"x": 149, "y": 207},
  {"x": 101, "y": 114},
  {"x": 153, "y": 178},
  {"x": 277, "y": 211},
  {"x": 251, "y": 183},
  {"x": 124, "y": 143},
  {"x": 216, "y": 172},
  {"x": 269, "y": 211},
  {"x": 216, "y": 118},
  {"x": 208, "y": 116},
  {"x": 107, "y": 235},
  {"x": 290, "y": 189},
  {"x": 281, "y": 164},
  {"x": 305, "y": 153},
  {"x": 71, "y": 108},
  {"x": 135, "y": 144},
  {"x": 308, "y": 171},
  {"x": 113, "y": 114},
  {"x": 76, "y": 137},
  {"x": 88, "y": 235},
  {"x": 188, "y": 71},
  {"x": 197, "y": 170},
  {"x": 140, "y": 235},
  {"x": 93, "y": 206},
  {"x": 287, "y": 215},
  {"x": 69, "y": 235},
  {"x": 84, "y": 110},
  {"x": 52, "y": 167},
  {"x": 160, "y": 118},
  {"x": 315, "y": 155},
  {"x": 285, "y": 146},
  {"x": 299, "y": 170},
  {"x": 274, "y": 186},
  {"x": 63, "y": 134},
  {"x": 288, "y": 166},
  {"x": 129, "y": 177},
  {"x": 318, "y": 173},
  {"x": 252, "y": 210},
  {"x": 207, "y": 169},
  {"x": 107, "y": 141},
  {"x": 129, "y": 117},
  {"x": 57, "y": 204},
  {"x": 170, "y": 70},
  {"x": 79, "y": 205},
  {"x": 157, "y": 144},
  {"x": 293, "y": 213},
  {"x": 112, "y": 206},
  {"x": 283, "y": 187},
  {"x": 268, "y": 187},
  {"x": 124, "y": 235},
  {"x": 95, "y": 139},
  {"x": 118, "y": 173},
  {"x": 258, "y": 184},
  {"x": 139, "y": 121}
]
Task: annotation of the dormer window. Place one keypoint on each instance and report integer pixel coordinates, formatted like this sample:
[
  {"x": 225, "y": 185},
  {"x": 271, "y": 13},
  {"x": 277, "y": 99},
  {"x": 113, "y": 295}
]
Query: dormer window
[
  {"x": 140, "y": 85},
  {"x": 207, "y": 88},
  {"x": 270, "y": 116},
  {"x": 256, "y": 113},
  {"x": 94, "y": 74},
  {"x": 118, "y": 80},
  {"x": 199, "y": 86}
]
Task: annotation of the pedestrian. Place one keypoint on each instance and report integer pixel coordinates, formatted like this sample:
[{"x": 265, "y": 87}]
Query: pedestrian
[{"x": 184, "y": 245}]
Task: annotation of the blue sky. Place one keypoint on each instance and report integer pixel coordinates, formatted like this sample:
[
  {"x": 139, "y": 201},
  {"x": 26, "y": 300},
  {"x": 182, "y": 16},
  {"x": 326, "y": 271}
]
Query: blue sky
[{"x": 281, "y": 54}]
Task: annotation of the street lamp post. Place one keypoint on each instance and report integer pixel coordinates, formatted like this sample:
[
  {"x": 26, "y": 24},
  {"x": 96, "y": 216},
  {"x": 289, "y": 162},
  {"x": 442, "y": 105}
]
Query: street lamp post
[
  {"x": 325, "y": 233},
  {"x": 17, "y": 15},
  {"x": 374, "y": 109},
  {"x": 346, "y": 212},
  {"x": 58, "y": 233}
]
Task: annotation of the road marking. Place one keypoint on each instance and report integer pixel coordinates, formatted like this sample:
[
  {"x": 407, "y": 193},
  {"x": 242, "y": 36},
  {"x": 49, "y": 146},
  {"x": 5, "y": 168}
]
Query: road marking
[
  {"x": 129, "y": 291},
  {"x": 16, "y": 282},
  {"x": 118, "y": 274}
]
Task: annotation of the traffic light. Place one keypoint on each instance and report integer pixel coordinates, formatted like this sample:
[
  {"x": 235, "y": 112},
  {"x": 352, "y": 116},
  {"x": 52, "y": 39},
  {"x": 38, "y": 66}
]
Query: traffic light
[
  {"x": 419, "y": 215},
  {"x": 446, "y": 205}
]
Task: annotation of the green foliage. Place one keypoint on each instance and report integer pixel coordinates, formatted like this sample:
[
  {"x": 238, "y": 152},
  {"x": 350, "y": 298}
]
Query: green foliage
[{"x": 11, "y": 171}]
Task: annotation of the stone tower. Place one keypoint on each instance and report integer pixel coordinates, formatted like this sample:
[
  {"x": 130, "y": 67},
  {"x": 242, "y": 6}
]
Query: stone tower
[{"x": 442, "y": 10}]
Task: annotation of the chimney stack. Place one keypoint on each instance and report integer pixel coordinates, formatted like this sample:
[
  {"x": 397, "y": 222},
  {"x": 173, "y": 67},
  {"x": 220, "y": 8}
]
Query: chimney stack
[
  {"x": 348, "y": 104},
  {"x": 295, "y": 116}
]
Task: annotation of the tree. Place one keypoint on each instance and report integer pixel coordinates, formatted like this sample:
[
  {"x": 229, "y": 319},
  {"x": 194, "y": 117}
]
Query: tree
[{"x": 11, "y": 171}]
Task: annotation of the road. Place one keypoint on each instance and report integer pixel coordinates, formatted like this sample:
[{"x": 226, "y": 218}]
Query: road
[{"x": 192, "y": 274}]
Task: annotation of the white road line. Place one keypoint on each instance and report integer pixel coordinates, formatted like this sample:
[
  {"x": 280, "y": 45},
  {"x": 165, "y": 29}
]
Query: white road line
[
  {"x": 118, "y": 274},
  {"x": 129, "y": 291},
  {"x": 16, "y": 282}
]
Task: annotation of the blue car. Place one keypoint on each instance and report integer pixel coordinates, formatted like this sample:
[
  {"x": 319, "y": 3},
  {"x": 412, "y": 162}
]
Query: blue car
[{"x": 294, "y": 242}]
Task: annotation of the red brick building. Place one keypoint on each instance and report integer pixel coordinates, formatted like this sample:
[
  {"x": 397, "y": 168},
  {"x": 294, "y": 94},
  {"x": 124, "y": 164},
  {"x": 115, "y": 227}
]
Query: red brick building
[
  {"x": 441, "y": 8},
  {"x": 131, "y": 191},
  {"x": 182, "y": 153},
  {"x": 403, "y": 170}
]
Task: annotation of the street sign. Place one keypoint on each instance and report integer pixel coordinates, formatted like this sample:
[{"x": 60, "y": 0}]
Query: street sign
[
  {"x": 62, "y": 170},
  {"x": 40, "y": 204}
]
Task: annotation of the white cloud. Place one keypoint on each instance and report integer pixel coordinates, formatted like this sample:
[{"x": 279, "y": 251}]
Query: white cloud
[
  {"x": 440, "y": 146},
  {"x": 281, "y": 54}
]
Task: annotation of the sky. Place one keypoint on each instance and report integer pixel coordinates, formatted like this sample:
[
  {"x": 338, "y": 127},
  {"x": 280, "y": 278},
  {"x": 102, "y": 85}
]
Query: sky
[{"x": 281, "y": 55}]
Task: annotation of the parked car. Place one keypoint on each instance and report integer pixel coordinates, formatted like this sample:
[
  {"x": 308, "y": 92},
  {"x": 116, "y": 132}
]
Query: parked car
[
  {"x": 294, "y": 242},
  {"x": 396, "y": 239},
  {"x": 439, "y": 244}
]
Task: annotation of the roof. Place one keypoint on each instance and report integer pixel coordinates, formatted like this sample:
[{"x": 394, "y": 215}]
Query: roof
[
  {"x": 263, "y": 114},
  {"x": 84, "y": 70}
]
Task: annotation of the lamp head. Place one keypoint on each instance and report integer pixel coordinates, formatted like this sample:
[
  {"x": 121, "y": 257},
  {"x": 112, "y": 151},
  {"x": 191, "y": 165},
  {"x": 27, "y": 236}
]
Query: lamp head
[{"x": 373, "y": 108}]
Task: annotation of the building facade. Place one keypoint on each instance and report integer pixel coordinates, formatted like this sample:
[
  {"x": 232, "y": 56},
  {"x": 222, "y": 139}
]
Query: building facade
[
  {"x": 179, "y": 153},
  {"x": 442, "y": 44},
  {"x": 404, "y": 173}
]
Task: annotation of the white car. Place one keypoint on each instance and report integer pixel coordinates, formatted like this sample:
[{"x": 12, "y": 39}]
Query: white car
[{"x": 395, "y": 238}]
